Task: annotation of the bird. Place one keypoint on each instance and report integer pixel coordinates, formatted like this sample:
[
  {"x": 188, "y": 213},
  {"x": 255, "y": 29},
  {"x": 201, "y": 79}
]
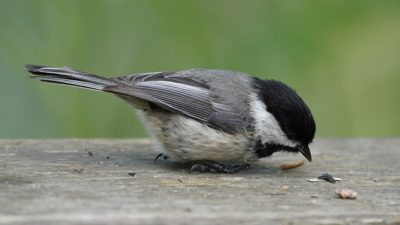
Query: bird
[{"x": 213, "y": 120}]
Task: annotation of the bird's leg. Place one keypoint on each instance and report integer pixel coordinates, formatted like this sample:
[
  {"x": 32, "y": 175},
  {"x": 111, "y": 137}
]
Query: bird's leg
[
  {"x": 215, "y": 167},
  {"x": 165, "y": 157}
]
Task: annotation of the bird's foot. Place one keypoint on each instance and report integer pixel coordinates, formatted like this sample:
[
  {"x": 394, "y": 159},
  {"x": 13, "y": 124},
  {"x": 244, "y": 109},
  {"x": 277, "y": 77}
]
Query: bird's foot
[
  {"x": 164, "y": 156},
  {"x": 203, "y": 166}
]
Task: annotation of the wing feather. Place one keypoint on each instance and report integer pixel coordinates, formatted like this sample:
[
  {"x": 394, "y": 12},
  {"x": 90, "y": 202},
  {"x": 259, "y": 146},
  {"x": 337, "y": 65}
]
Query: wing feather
[
  {"x": 189, "y": 100},
  {"x": 184, "y": 95}
]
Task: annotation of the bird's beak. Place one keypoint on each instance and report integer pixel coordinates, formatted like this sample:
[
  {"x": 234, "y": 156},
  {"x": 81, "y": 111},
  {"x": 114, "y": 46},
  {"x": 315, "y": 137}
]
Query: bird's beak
[{"x": 305, "y": 150}]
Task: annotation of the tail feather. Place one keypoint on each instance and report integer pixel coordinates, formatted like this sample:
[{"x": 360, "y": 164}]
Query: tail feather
[{"x": 68, "y": 76}]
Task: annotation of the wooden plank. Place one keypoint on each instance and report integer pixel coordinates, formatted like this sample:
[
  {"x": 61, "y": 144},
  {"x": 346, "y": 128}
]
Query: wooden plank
[{"x": 60, "y": 182}]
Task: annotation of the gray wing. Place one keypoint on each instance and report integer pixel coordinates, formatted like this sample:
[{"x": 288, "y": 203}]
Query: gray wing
[{"x": 215, "y": 97}]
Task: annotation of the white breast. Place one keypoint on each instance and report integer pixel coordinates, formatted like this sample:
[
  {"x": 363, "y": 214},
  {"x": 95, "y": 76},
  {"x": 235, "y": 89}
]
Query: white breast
[{"x": 185, "y": 139}]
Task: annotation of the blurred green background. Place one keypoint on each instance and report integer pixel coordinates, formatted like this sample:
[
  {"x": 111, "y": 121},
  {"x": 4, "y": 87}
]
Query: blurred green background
[{"x": 343, "y": 57}]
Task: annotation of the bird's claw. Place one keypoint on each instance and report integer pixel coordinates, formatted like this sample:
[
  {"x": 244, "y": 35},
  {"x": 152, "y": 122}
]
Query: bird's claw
[
  {"x": 215, "y": 167},
  {"x": 165, "y": 157}
]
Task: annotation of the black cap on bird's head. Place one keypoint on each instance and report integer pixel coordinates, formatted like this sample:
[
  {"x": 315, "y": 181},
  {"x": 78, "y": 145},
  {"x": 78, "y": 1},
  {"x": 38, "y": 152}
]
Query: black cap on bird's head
[{"x": 291, "y": 113}]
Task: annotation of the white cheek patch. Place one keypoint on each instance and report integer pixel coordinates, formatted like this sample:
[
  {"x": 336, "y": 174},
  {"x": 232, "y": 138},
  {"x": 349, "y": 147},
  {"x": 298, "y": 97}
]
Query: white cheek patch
[{"x": 266, "y": 127}]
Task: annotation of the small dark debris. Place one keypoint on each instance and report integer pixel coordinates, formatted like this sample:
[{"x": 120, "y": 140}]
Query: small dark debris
[
  {"x": 180, "y": 180},
  {"x": 188, "y": 210},
  {"x": 108, "y": 157},
  {"x": 327, "y": 177},
  {"x": 132, "y": 174},
  {"x": 90, "y": 153},
  {"x": 80, "y": 170}
]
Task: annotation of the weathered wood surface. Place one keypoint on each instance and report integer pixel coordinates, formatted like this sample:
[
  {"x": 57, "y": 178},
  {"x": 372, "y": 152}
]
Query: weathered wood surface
[{"x": 58, "y": 182}]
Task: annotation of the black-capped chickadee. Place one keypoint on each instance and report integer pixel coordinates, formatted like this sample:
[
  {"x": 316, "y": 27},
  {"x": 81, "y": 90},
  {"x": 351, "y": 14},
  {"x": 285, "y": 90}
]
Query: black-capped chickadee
[{"x": 209, "y": 119}]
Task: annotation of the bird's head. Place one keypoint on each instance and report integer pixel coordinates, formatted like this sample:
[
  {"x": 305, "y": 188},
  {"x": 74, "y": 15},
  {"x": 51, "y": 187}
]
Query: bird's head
[{"x": 283, "y": 122}]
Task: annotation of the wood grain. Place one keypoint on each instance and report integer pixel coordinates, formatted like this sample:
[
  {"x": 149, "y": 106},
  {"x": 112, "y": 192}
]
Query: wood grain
[{"x": 60, "y": 182}]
